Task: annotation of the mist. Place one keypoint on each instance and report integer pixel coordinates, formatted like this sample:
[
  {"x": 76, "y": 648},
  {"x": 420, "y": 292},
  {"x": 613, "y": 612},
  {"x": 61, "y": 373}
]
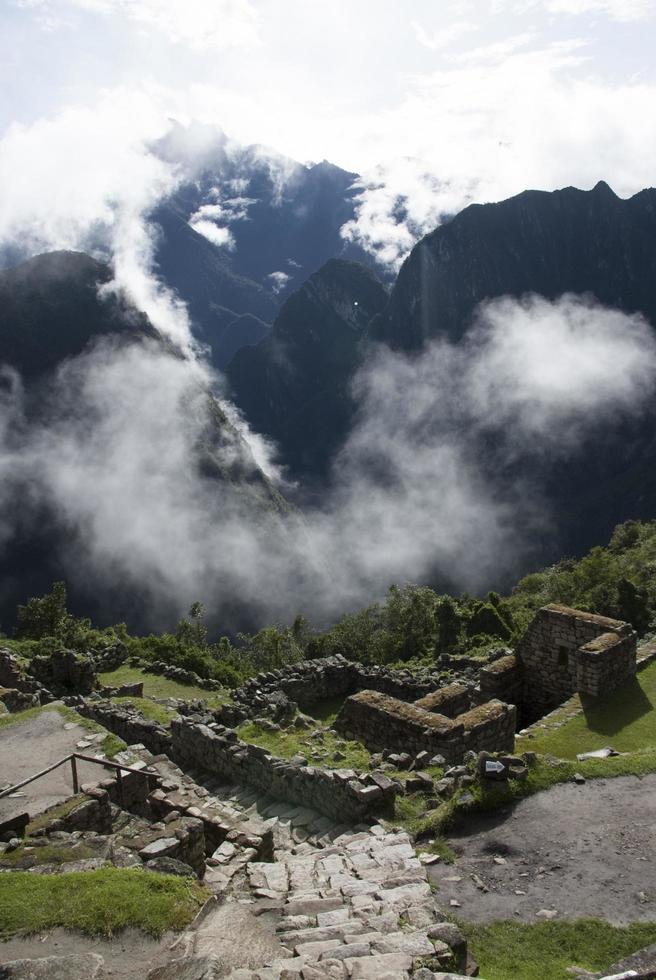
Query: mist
[{"x": 162, "y": 490}]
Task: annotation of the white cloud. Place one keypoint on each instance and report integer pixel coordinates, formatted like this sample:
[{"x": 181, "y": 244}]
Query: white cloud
[
  {"x": 116, "y": 458},
  {"x": 197, "y": 23},
  {"x": 619, "y": 10},
  {"x": 444, "y": 37},
  {"x": 279, "y": 280},
  {"x": 494, "y": 125}
]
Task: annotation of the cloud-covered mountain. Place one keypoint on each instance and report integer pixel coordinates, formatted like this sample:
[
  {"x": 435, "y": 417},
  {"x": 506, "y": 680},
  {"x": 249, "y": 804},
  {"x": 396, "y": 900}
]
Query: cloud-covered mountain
[
  {"x": 294, "y": 386},
  {"x": 105, "y": 425},
  {"x": 245, "y": 229},
  {"x": 567, "y": 243},
  {"x": 549, "y": 243}
]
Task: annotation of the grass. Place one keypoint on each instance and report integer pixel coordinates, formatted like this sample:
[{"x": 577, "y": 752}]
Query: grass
[
  {"x": 544, "y": 951},
  {"x": 99, "y": 903},
  {"x": 27, "y": 856},
  {"x": 626, "y": 720},
  {"x": 156, "y": 686},
  {"x": 149, "y": 709},
  {"x": 110, "y": 745},
  {"x": 319, "y": 752}
]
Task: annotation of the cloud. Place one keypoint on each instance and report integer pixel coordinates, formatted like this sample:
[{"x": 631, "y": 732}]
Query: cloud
[
  {"x": 279, "y": 280},
  {"x": 495, "y": 123},
  {"x": 124, "y": 452},
  {"x": 618, "y": 10},
  {"x": 197, "y": 23},
  {"x": 444, "y": 38}
]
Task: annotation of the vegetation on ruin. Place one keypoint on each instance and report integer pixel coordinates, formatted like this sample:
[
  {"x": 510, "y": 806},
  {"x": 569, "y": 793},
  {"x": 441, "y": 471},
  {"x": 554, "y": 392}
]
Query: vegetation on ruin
[
  {"x": 544, "y": 950},
  {"x": 156, "y": 686},
  {"x": 149, "y": 709},
  {"x": 317, "y": 744},
  {"x": 27, "y": 856},
  {"x": 101, "y": 902}
]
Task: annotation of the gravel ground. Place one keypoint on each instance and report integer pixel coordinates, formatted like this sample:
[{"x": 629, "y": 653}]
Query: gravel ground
[
  {"x": 32, "y": 745},
  {"x": 574, "y": 850}
]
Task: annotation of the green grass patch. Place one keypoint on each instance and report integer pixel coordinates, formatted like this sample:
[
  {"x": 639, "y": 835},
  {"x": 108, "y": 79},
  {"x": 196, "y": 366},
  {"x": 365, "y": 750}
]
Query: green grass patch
[
  {"x": 156, "y": 686},
  {"x": 545, "y": 950},
  {"x": 100, "y": 903},
  {"x": 626, "y": 720},
  {"x": 27, "y": 856},
  {"x": 321, "y": 753},
  {"x": 149, "y": 709}
]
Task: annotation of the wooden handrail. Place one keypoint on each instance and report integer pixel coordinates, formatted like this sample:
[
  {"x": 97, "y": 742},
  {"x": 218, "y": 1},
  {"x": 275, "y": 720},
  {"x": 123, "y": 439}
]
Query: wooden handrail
[{"x": 107, "y": 763}]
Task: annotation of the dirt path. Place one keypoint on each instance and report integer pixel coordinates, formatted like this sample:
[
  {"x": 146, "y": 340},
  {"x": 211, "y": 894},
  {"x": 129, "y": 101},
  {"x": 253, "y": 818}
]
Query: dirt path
[
  {"x": 32, "y": 745},
  {"x": 127, "y": 957},
  {"x": 584, "y": 850}
]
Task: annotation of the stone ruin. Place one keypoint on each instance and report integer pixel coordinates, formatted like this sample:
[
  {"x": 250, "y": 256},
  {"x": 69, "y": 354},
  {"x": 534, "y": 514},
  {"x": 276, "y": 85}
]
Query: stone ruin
[
  {"x": 383, "y": 722},
  {"x": 563, "y": 652}
]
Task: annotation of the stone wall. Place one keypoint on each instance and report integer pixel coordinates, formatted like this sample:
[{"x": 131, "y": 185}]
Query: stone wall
[
  {"x": 218, "y": 750},
  {"x": 316, "y": 680},
  {"x": 65, "y": 672},
  {"x": 128, "y": 724},
  {"x": 563, "y": 652},
  {"x": 383, "y": 722},
  {"x": 450, "y": 700},
  {"x": 502, "y": 679},
  {"x": 92, "y": 812},
  {"x": 132, "y": 790},
  {"x": 340, "y": 794}
]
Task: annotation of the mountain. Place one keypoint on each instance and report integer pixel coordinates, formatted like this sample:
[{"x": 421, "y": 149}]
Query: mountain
[
  {"x": 542, "y": 242},
  {"x": 50, "y": 309},
  {"x": 72, "y": 344},
  {"x": 244, "y": 230},
  {"x": 294, "y": 386}
]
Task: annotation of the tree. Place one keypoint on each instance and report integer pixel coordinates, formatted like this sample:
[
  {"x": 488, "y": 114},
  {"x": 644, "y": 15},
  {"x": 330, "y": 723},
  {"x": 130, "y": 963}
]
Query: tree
[
  {"x": 45, "y": 615},
  {"x": 192, "y": 632}
]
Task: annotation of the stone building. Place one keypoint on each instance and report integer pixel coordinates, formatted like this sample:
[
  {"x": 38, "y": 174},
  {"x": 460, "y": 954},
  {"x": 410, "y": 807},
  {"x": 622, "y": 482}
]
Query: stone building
[{"x": 563, "y": 652}]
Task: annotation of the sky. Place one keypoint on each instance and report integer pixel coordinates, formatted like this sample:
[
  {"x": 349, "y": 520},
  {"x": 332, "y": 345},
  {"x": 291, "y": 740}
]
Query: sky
[{"x": 436, "y": 105}]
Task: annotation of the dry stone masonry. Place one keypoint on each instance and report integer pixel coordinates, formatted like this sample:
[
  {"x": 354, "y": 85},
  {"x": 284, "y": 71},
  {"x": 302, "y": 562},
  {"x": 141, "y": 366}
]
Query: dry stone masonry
[
  {"x": 563, "y": 652},
  {"x": 383, "y": 722}
]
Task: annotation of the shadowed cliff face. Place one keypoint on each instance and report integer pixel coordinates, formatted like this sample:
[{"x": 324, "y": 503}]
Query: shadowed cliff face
[
  {"x": 566, "y": 241},
  {"x": 279, "y": 222},
  {"x": 294, "y": 386},
  {"x": 50, "y": 309}
]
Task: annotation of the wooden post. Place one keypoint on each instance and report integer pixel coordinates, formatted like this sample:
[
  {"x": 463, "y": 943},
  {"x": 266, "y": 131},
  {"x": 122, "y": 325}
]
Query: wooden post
[
  {"x": 119, "y": 786},
  {"x": 76, "y": 785}
]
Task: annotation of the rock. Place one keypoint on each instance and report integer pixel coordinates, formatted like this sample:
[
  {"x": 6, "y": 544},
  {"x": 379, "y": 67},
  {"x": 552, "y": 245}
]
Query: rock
[
  {"x": 546, "y": 914},
  {"x": 192, "y": 968},
  {"x": 170, "y": 866},
  {"x": 386, "y": 966},
  {"x": 78, "y": 966},
  {"x": 162, "y": 847},
  {"x": 447, "y": 932},
  {"x": 578, "y": 778}
]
